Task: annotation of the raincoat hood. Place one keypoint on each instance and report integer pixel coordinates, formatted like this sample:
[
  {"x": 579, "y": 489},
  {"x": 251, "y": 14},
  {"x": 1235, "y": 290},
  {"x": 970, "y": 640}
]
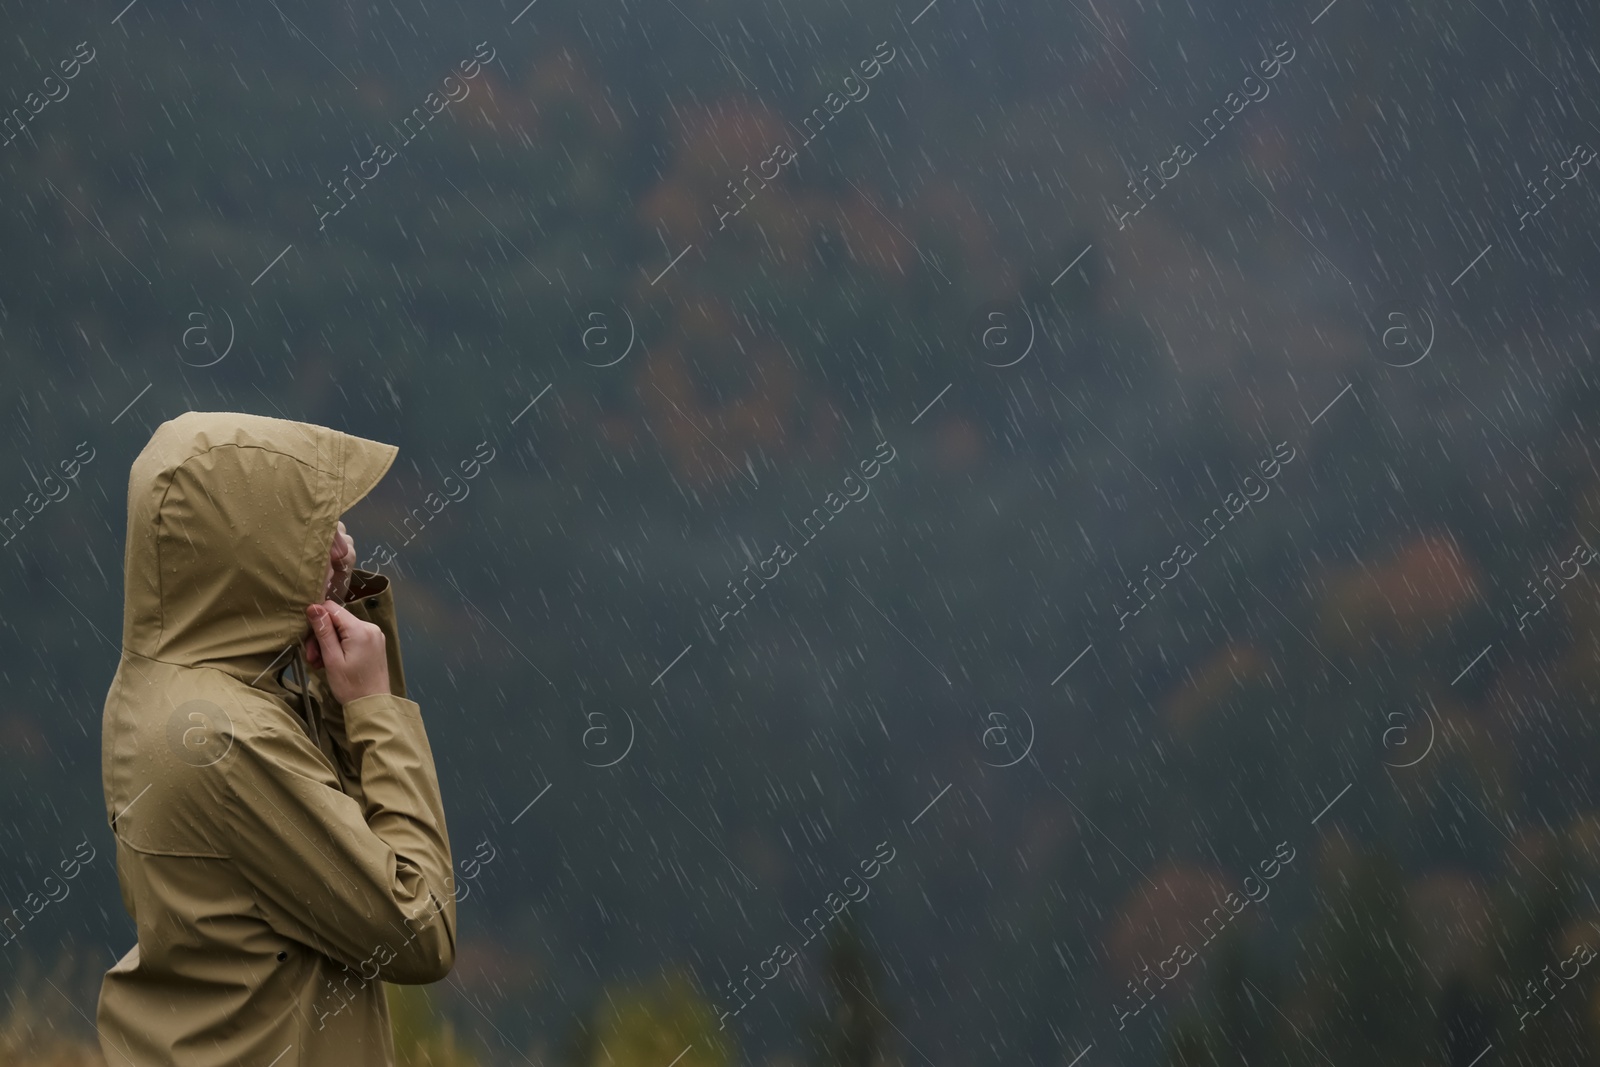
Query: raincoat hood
[{"x": 229, "y": 521}]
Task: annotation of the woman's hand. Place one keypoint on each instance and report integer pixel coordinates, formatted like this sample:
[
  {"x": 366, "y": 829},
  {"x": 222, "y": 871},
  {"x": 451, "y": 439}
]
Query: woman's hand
[
  {"x": 351, "y": 651},
  {"x": 341, "y": 565}
]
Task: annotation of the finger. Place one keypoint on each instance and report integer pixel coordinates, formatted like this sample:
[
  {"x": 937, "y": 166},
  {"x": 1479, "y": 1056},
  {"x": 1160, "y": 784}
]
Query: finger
[
  {"x": 345, "y": 624},
  {"x": 327, "y": 635},
  {"x": 313, "y": 653}
]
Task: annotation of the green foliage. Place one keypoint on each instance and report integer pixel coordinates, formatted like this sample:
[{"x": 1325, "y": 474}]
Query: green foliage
[
  {"x": 422, "y": 1036},
  {"x": 38, "y": 1027},
  {"x": 657, "y": 1023}
]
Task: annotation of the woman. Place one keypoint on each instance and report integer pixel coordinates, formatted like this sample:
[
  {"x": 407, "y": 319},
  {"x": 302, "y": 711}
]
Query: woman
[{"x": 281, "y": 842}]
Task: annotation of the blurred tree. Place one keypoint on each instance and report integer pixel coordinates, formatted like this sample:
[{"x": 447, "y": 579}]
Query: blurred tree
[
  {"x": 1465, "y": 1021},
  {"x": 38, "y": 1028},
  {"x": 665, "y": 1021},
  {"x": 422, "y": 1036},
  {"x": 853, "y": 1034},
  {"x": 1543, "y": 1013},
  {"x": 1244, "y": 1023},
  {"x": 1193, "y": 1041},
  {"x": 1235, "y": 1025},
  {"x": 1362, "y": 991}
]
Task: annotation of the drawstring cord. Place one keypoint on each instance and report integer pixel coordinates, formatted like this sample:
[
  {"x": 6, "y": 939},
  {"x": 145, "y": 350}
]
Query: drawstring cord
[{"x": 310, "y": 706}]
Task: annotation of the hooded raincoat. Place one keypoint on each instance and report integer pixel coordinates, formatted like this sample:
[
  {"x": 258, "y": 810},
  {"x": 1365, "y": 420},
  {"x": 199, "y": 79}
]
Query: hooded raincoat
[{"x": 281, "y": 855}]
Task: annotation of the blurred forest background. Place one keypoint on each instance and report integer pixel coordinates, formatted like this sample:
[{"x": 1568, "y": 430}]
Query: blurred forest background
[{"x": 988, "y": 664}]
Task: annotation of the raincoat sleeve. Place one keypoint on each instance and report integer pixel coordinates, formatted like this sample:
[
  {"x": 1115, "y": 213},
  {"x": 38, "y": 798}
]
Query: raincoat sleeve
[{"x": 366, "y": 882}]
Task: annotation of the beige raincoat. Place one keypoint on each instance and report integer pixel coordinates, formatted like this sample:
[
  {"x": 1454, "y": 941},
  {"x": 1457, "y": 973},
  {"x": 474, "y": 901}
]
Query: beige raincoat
[{"x": 281, "y": 855}]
